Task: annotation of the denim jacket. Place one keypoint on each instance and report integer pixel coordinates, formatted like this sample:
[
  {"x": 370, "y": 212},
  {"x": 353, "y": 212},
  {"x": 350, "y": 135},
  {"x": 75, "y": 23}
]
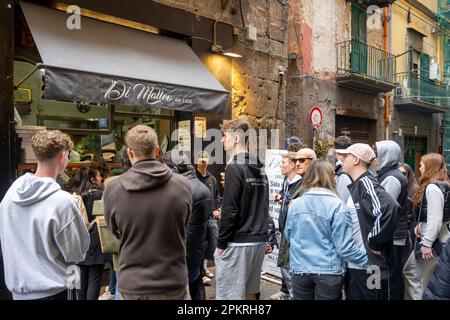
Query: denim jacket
[{"x": 319, "y": 229}]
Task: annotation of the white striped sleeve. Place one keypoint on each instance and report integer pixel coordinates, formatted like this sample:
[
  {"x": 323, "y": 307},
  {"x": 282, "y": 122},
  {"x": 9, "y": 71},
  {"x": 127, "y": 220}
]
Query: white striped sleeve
[{"x": 376, "y": 207}]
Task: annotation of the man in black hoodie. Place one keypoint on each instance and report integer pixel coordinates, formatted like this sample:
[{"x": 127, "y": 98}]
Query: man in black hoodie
[{"x": 244, "y": 218}]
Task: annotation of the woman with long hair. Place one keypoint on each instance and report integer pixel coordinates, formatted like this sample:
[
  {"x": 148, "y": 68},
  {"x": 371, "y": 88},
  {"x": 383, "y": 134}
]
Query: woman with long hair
[
  {"x": 86, "y": 183},
  {"x": 319, "y": 229},
  {"x": 431, "y": 207},
  {"x": 410, "y": 179}
]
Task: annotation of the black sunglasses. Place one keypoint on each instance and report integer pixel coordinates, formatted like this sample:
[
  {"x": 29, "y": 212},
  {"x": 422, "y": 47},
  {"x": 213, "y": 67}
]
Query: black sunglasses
[{"x": 302, "y": 160}]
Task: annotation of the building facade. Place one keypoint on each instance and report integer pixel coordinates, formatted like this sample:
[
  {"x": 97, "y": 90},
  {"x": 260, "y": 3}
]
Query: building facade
[
  {"x": 256, "y": 81},
  {"x": 340, "y": 63},
  {"x": 421, "y": 98}
]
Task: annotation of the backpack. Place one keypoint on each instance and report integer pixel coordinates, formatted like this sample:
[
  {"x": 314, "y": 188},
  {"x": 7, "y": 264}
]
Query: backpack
[
  {"x": 445, "y": 189},
  {"x": 83, "y": 211}
]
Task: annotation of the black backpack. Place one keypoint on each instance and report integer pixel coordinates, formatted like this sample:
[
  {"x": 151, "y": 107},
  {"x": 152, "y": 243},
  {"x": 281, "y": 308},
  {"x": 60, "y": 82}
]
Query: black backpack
[
  {"x": 422, "y": 210},
  {"x": 445, "y": 188}
]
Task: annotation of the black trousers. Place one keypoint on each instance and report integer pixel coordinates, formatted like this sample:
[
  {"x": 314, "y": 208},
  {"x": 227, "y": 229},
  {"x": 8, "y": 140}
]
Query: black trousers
[
  {"x": 356, "y": 286},
  {"x": 308, "y": 286},
  {"x": 197, "y": 289},
  {"x": 4, "y": 293},
  {"x": 90, "y": 282},
  {"x": 400, "y": 255},
  {"x": 284, "y": 288}
]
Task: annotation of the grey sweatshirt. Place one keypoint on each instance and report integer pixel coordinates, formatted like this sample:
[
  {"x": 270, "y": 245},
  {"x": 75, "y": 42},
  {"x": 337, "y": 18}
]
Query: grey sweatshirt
[
  {"x": 342, "y": 181},
  {"x": 42, "y": 234},
  {"x": 389, "y": 153}
]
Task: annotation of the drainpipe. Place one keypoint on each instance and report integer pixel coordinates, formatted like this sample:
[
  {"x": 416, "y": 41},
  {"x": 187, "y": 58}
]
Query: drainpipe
[{"x": 386, "y": 49}]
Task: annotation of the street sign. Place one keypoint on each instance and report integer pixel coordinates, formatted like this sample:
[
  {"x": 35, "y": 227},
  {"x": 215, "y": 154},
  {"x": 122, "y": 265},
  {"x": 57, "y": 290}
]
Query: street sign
[{"x": 315, "y": 117}]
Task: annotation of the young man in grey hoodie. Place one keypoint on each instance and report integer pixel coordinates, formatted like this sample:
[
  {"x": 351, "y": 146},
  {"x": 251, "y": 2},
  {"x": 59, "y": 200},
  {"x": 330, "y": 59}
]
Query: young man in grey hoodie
[{"x": 42, "y": 232}]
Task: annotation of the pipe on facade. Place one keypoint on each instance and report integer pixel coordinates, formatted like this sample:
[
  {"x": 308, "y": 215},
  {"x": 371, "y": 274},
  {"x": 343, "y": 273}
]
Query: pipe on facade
[{"x": 386, "y": 49}]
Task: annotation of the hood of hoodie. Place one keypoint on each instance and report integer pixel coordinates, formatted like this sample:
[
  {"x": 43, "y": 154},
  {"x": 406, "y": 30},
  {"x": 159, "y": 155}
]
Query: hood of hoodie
[
  {"x": 144, "y": 175},
  {"x": 30, "y": 189},
  {"x": 389, "y": 153},
  {"x": 190, "y": 175},
  {"x": 249, "y": 159}
]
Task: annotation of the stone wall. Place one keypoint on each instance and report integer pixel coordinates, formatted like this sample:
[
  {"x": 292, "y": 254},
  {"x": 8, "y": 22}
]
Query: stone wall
[{"x": 257, "y": 90}]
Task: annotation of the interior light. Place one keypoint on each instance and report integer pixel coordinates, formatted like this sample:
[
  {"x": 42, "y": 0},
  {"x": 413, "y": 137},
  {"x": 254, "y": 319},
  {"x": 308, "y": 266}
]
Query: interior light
[{"x": 232, "y": 54}]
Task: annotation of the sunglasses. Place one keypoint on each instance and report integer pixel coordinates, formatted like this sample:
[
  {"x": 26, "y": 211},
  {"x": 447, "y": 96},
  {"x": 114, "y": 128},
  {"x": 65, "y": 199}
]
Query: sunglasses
[
  {"x": 404, "y": 173},
  {"x": 302, "y": 160}
]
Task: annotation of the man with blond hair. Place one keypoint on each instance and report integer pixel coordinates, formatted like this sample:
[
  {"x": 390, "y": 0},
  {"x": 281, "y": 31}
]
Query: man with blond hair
[
  {"x": 42, "y": 232},
  {"x": 148, "y": 208}
]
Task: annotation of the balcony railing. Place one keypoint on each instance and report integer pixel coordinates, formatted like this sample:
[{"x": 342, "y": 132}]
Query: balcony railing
[
  {"x": 367, "y": 3},
  {"x": 421, "y": 88},
  {"x": 356, "y": 57}
]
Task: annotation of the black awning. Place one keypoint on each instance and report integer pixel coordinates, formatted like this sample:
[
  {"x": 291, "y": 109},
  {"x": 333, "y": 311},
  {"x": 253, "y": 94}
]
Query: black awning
[{"x": 108, "y": 63}]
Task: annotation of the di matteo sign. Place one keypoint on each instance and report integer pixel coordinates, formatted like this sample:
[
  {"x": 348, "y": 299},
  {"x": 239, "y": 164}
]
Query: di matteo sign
[{"x": 72, "y": 85}]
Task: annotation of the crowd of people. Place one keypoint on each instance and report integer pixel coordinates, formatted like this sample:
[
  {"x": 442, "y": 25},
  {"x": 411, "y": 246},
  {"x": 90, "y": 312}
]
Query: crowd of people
[{"x": 360, "y": 229}]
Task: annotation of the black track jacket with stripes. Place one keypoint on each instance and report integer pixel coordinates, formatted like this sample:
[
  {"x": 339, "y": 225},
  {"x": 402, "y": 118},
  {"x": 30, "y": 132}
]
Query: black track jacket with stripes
[{"x": 378, "y": 216}]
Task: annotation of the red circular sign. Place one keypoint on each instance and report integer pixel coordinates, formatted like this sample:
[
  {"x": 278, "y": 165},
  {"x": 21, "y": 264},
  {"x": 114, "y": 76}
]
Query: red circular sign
[{"x": 315, "y": 117}]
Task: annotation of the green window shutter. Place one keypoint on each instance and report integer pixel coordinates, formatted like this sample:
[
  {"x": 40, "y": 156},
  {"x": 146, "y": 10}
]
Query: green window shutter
[
  {"x": 359, "y": 20},
  {"x": 446, "y": 146},
  {"x": 425, "y": 65},
  {"x": 358, "y": 57}
]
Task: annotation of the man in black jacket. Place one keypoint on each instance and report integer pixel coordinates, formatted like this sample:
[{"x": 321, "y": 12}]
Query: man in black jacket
[
  {"x": 213, "y": 227},
  {"x": 374, "y": 217},
  {"x": 245, "y": 212},
  {"x": 196, "y": 230}
]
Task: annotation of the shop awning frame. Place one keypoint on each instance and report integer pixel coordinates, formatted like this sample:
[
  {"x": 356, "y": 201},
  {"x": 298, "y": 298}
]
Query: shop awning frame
[{"x": 111, "y": 64}]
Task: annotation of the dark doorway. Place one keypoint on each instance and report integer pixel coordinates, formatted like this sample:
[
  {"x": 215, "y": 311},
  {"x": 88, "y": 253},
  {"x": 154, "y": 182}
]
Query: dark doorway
[
  {"x": 415, "y": 148},
  {"x": 360, "y": 130}
]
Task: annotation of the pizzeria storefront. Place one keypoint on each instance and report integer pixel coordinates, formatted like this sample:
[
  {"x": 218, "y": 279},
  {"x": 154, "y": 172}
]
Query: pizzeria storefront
[{"x": 98, "y": 81}]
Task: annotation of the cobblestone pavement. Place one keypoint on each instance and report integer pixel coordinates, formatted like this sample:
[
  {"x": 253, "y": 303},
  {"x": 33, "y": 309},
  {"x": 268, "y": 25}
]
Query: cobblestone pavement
[{"x": 267, "y": 287}]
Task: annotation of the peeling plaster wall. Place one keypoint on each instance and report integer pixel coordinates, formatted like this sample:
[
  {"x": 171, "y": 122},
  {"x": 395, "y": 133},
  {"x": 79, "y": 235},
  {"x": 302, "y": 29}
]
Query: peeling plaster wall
[
  {"x": 332, "y": 100},
  {"x": 315, "y": 26},
  {"x": 319, "y": 24}
]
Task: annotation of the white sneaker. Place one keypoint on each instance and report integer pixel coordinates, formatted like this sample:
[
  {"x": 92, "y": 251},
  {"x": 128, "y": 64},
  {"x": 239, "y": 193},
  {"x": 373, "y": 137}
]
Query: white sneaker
[
  {"x": 106, "y": 295},
  {"x": 206, "y": 281},
  {"x": 209, "y": 274},
  {"x": 279, "y": 296}
]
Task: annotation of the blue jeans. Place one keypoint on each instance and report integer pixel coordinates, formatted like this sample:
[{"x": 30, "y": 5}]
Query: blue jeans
[
  {"x": 308, "y": 286},
  {"x": 112, "y": 286}
]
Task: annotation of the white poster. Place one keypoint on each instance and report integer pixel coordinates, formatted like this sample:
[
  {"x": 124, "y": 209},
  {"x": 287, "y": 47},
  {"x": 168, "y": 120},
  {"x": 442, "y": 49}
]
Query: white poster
[
  {"x": 184, "y": 135},
  {"x": 200, "y": 127},
  {"x": 273, "y": 172}
]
